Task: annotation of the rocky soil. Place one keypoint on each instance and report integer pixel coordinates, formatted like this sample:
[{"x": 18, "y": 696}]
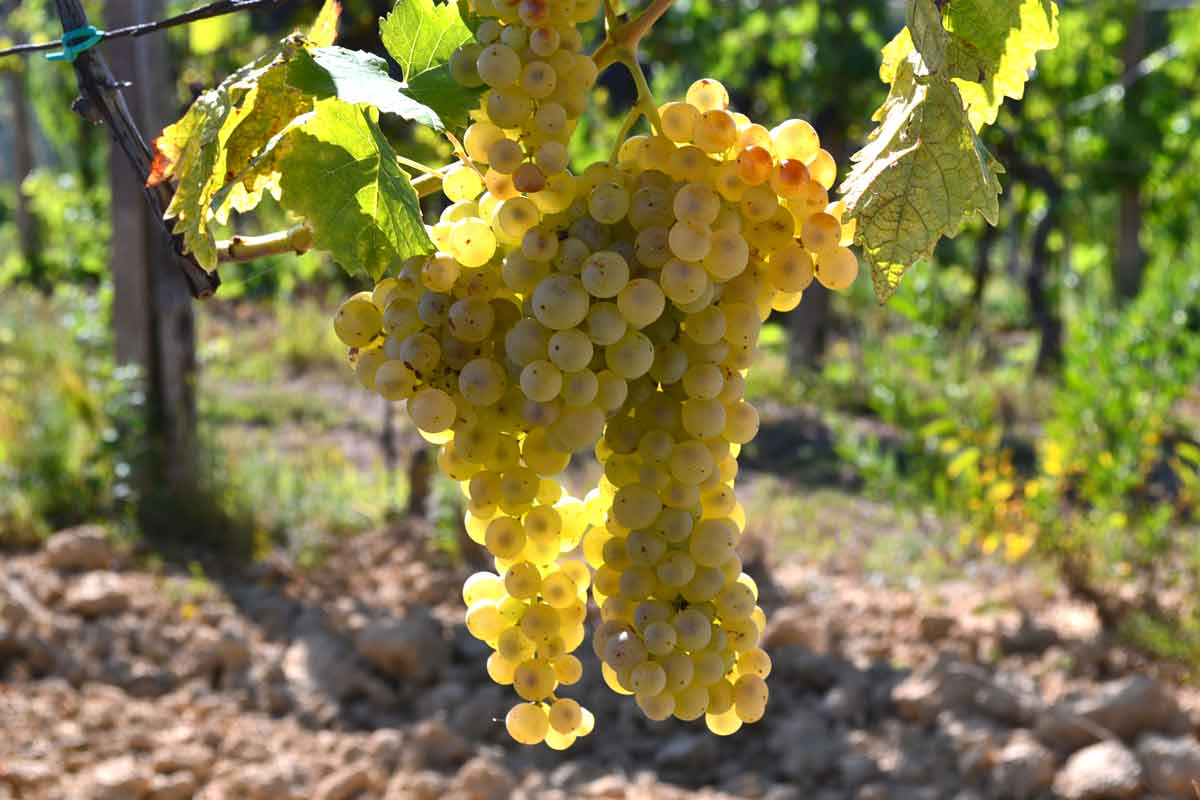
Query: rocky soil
[{"x": 358, "y": 680}]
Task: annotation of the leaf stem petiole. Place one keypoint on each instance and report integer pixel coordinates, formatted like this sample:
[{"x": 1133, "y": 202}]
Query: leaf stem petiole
[
  {"x": 296, "y": 239},
  {"x": 417, "y": 165}
]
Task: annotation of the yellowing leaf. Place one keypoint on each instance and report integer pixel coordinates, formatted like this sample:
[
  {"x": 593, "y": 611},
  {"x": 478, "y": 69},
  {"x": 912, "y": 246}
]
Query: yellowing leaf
[
  {"x": 323, "y": 32},
  {"x": 993, "y": 46},
  {"x": 215, "y": 141},
  {"x": 275, "y": 107},
  {"x": 919, "y": 177},
  {"x": 260, "y": 176},
  {"x": 962, "y": 462},
  {"x": 1000, "y": 491},
  {"x": 221, "y": 154},
  {"x": 1016, "y": 545},
  {"x": 192, "y": 152},
  {"x": 341, "y": 173},
  {"x": 895, "y": 53}
]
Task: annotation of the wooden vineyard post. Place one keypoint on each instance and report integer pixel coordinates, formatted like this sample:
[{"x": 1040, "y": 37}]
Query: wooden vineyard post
[
  {"x": 28, "y": 235},
  {"x": 152, "y": 303}
]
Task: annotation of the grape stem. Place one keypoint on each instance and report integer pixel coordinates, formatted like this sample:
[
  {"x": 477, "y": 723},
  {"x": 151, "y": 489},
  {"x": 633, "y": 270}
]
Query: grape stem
[
  {"x": 429, "y": 183},
  {"x": 621, "y": 46},
  {"x": 424, "y": 169},
  {"x": 621, "y": 41},
  {"x": 298, "y": 238},
  {"x": 459, "y": 151},
  {"x": 643, "y": 107},
  {"x": 631, "y": 119},
  {"x": 645, "y": 100},
  {"x": 611, "y": 17}
]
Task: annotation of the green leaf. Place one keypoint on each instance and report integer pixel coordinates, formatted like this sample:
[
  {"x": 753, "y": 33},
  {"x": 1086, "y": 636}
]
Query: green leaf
[
  {"x": 923, "y": 173},
  {"x": 440, "y": 92},
  {"x": 924, "y": 170},
  {"x": 341, "y": 174},
  {"x": 422, "y": 35},
  {"x": 357, "y": 77},
  {"x": 962, "y": 462},
  {"x": 1188, "y": 451},
  {"x": 937, "y": 427}
]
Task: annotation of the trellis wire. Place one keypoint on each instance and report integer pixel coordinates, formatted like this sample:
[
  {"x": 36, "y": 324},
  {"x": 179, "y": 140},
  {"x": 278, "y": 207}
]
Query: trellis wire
[{"x": 215, "y": 9}]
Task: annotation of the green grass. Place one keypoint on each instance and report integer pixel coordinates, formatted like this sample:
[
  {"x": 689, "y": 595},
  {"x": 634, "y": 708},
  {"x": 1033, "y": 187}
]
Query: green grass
[
  {"x": 771, "y": 379},
  {"x": 272, "y": 381},
  {"x": 263, "y": 406},
  {"x": 274, "y": 469},
  {"x": 841, "y": 529},
  {"x": 304, "y": 498},
  {"x": 285, "y": 339},
  {"x": 64, "y": 436}
]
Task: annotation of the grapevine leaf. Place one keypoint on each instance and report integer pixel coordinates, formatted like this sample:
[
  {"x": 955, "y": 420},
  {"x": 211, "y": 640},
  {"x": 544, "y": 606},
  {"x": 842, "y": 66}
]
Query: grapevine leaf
[
  {"x": 895, "y": 53},
  {"x": 439, "y": 91},
  {"x": 923, "y": 173},
  {"x": 469, "y": 17},
  {"x": 323, "y": 32},
  {"x": 194, "y": 151},
  {"x": 927, "y": 33},
  {"x": 275, "y": 106},
  {"x": 260, "y": 176},
  {"x": 993, "y": 47},
  {"x": 213, "y": 153},
  {"x": 341, "y": 174},
  {"x": 357, "y": 77},
  {"x": 989, "y": 48},
  {"x": 422, "y": 35},
  {"x": 920, "y": 176}
]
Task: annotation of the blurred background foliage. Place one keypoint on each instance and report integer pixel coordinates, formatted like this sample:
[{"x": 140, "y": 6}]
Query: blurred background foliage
[{"x": 1034, "y": 386}]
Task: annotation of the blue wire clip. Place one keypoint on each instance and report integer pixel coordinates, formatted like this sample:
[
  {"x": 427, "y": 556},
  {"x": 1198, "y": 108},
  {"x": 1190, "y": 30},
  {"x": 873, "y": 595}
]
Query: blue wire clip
[{"x": 75, "y": 42}]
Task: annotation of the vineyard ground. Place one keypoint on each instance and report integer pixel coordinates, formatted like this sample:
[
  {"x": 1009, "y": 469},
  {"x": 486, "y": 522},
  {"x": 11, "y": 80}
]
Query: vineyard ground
[{"x": 351, "y": 674}]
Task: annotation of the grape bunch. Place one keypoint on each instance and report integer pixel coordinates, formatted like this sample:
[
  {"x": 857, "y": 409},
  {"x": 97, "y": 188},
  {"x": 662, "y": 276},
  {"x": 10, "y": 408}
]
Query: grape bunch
[
  {"x": 441, "y": 344},
  {"x": 614, "y": 311},
  {"x": 527, "y": 55}
]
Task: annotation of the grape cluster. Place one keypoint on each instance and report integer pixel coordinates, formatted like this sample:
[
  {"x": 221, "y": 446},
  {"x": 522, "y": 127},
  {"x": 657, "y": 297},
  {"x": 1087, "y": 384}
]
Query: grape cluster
[
  {"x": 680, "y": 620},
  {"x": 619, "y": 318},
  {"x": 527, "y": 54}
]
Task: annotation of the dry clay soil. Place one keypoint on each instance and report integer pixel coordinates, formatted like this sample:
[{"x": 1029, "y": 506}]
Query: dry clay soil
[{"x": 357, "y": 679}]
